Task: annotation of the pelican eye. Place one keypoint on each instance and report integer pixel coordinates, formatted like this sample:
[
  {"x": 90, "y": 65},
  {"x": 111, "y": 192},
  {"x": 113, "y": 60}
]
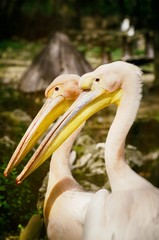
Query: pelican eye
[
  {"x": 56, "y": 88},
  {"x": 97, "y": 79}
]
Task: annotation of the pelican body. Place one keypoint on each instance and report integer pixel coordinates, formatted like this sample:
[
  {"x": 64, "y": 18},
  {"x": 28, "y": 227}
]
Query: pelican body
[{"x": 65, "y": 201}]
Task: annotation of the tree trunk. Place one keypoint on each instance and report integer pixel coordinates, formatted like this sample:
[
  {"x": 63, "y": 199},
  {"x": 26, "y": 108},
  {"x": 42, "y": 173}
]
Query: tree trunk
[
  {"x": 155, "y": 27},
  {"x": 58, "y": 57},
  {"x": 156, "y": 58}
]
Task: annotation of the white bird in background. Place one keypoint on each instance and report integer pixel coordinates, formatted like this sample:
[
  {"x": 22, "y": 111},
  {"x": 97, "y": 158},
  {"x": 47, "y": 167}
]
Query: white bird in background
[
  {"x": 127, "y": 28},
  {"x": 125, "y": 25},
  {"x": 131, "y": 31},
  {"x": 131, "y": 210}
]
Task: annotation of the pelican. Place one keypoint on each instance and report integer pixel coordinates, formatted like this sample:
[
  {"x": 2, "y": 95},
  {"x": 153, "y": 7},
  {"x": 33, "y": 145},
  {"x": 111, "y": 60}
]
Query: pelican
[
  {"x": 65, "y": 201},
  {"x": 131, "y": 210}
]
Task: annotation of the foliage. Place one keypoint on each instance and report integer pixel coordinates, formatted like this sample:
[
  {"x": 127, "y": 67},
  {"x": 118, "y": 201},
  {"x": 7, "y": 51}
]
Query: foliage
[
  {"x": 34, "y": 8},
  {"x": 23, "y": 17},
  {"x": 11, "y": 98},
  {"x": 19, "y": 49},
  {"x": 13, "y": 200},
  {"x": 17, "y": 203}
]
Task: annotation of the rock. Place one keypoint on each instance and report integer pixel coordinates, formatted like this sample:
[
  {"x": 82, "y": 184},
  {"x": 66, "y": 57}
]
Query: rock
[
  {"x": 17, "y": 116},
  {"x": 21, "y": 116}
]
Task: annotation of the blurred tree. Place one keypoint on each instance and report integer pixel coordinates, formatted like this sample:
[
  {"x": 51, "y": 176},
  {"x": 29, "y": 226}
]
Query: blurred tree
[
  {"x": 155, "y": 28},
  {"x": 23, "y": 17},
  {"x": 37, "y": 18}
]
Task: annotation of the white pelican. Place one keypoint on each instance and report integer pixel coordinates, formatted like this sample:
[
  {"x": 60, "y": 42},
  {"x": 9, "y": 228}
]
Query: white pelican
[
  {"x": 131, "y": 210},
  {"x": 65, "y": 201}
]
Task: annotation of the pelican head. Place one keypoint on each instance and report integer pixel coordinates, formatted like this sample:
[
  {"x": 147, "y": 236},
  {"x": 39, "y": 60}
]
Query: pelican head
[
  {"x": 60, "y": 94},
  {"x": 110, "y": 77}
]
